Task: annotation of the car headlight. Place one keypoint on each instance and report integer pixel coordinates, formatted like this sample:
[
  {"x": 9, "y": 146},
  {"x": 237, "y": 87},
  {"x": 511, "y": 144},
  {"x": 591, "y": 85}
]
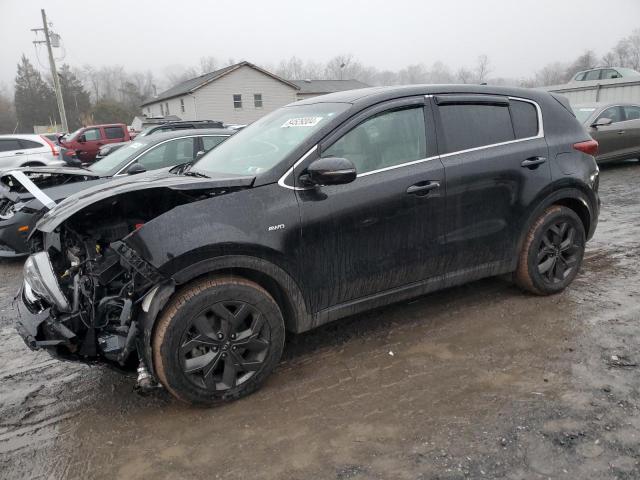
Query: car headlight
[{"x": 41, "y": 281}]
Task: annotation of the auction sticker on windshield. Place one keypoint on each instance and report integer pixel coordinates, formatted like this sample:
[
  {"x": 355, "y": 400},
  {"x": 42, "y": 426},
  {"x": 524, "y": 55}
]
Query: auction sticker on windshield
[{"x": 302, "y": 122}]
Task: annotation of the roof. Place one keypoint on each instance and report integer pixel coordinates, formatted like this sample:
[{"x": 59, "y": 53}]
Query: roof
[
  {"x": 193, "y": 84},
  {"x": 377, "y": 94},
  {"x": 190, "y": 132},
  {"x": 327, "y": 86}
]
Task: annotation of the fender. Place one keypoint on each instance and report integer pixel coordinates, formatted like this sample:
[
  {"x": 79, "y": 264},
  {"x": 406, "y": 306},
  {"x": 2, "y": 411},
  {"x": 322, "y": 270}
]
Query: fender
[{"x": 572, "y": 191}]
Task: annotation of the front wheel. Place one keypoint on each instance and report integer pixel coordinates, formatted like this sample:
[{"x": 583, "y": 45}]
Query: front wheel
[
  {"x": 552, "y": 252},
  {"x": 218, "y": 340}
]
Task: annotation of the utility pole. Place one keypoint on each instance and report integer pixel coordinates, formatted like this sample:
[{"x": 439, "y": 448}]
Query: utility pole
[{"x": 54, "y": 73}]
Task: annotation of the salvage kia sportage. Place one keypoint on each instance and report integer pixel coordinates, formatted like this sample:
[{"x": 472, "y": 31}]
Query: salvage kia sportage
[{"x": 322, "y": 209}]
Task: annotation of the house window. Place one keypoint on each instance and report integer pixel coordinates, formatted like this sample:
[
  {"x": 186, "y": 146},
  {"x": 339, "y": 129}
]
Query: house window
[
  {"x": 257, "y": 100},
  {"x": 161, "y": 110},
  {"x": 182, "y": 105},
  {"x": 237, "y": 101},
  {"x": 149, "y": 111},
  {"x": 166, "y": 108}
]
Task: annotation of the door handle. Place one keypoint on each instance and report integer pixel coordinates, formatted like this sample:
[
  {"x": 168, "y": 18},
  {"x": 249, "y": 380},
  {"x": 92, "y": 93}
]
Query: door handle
[
  {"x": 422, "y": 188},
  {"x": 19, "y": 153},
  {"x": 533, "y": 162},
  {"x": 620, "y": 132}
]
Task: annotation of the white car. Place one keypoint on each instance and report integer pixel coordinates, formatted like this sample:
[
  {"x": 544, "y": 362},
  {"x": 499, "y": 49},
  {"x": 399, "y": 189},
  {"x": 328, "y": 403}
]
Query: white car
[{"x": 28, "y": 151}]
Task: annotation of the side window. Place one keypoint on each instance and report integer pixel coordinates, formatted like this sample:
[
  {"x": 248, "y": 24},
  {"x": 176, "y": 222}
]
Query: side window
[
  {"x": 182, "y": 105},
  {"x": 388, "y": 139},
  {"x": 592, "y": 75},
  {"x": 92, "y": 134},
  {"x": 257, "y": 100},
  {"x": 210, "y": 142},
  {"x": 114, "y": 132},
  {"x": 9, "y": 144},
  {"x": 616, "y": 114},
  {"x": 632, "y": 112},
  {"x": 237, "y": 101},
  {"x": 168, "y": 154},
  {"x": 610, "y": 73},
  {"x": 579, "y": 77},
  {"x": 27, "y": 144},
  {"x": 471, "y": 126},
  {"x": 525, "y": 118}
]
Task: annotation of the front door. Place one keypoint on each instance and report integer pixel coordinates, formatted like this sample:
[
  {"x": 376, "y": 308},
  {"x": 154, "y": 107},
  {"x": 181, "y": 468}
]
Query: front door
[
  {"x": 611, "y": 138},
  {"x": 88, "y": 149},
  {"x": 385, "y": 229},
  {"x": 495, "y": 160}
]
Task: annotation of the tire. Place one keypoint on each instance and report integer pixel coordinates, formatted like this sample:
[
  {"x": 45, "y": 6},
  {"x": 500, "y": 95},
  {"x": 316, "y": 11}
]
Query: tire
[
  {"x": 217, "y": 340},
  {"x": 552, "y": 252}
]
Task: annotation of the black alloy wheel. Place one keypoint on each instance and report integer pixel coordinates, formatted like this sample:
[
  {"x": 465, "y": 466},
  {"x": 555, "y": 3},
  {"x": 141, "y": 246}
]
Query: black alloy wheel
[
  {"x": 559, "y": 253},
  {"x": 225, "y": 345}
]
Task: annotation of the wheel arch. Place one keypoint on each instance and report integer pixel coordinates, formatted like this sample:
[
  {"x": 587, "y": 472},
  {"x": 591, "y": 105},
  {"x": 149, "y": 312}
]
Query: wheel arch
[{"x": 576, "y": 197}]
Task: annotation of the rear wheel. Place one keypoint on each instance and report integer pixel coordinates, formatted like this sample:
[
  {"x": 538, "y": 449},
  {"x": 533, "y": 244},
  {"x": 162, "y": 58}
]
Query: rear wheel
[
  {"x": 218, "y": 340},
  {"x": 552, "y": 252}
]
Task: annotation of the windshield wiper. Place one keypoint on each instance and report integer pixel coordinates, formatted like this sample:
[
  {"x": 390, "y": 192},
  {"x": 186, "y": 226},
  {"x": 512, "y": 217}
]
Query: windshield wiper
[{"x": 195, "y": 173}]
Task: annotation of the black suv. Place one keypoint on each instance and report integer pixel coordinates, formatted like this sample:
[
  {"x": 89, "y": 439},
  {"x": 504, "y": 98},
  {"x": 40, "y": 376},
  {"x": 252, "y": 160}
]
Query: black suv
[{"x": 321, "y": 209}]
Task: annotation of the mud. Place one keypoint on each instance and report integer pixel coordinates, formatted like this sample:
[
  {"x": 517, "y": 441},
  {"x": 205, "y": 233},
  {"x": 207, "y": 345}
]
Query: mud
[{"x": 480, "y": 381}]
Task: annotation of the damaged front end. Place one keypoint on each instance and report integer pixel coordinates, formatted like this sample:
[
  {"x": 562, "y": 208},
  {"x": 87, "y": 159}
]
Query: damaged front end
[
  {"x": 81, "y": 294},
  {"x": 89, "y": 294}
]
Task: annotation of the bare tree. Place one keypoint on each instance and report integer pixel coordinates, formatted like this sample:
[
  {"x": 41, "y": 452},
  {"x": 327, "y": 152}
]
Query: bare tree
[
  {"x": 609, "y": 59},
  {"x": 551, "y": 74},
  {"x": 208, "y": 64},
  {"x": 482, "y": 69},
  {"x": 439, "y": 73},
  {"x": 464, "y": 75}
]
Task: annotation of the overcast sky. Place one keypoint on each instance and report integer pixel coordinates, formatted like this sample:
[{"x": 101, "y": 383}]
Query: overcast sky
[{"x": 518, "y": 36}]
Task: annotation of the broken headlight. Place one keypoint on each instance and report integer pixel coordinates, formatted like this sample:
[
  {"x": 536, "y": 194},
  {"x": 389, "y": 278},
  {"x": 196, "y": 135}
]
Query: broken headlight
[{"x": 40, "y": 281}]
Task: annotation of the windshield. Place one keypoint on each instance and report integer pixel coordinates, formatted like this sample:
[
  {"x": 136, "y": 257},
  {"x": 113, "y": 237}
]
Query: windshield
[
  {"x": 115, "y": 159},
  {"x": 583, "y": 113},
  {"x": 266, "y": 142}
]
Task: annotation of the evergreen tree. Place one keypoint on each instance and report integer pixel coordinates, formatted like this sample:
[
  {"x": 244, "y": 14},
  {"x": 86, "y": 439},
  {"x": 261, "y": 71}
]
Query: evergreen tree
[
  {"x": 34, "y": 101},
  {"x": 76, "y": 99}
]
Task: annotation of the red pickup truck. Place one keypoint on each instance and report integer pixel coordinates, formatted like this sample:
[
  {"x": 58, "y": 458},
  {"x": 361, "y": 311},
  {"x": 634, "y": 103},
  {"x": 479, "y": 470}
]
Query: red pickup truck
[{"x": 86, "y": 141}]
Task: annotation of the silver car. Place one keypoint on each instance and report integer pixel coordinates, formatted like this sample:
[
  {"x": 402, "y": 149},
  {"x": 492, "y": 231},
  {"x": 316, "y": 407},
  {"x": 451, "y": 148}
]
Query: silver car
[
  {"x": 616, "y": 127},
  {"x": 28, "y": 151}
]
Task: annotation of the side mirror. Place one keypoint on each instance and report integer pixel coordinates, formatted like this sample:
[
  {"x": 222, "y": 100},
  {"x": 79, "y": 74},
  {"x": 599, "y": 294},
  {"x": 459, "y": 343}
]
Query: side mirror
[
  {"x": 135, "y": 169},
  {"x": 330, "y": 171},
  {"x": 200, "y": 154},
  {"x": 602, "y": 122}
]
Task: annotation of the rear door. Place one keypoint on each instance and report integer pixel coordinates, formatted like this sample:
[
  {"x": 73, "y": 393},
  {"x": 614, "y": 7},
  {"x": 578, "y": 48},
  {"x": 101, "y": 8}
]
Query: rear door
[
  {"x": 631, "y": 127},
  {"x": 385, "y": 229},
  {"x": 495, "y": 159}
]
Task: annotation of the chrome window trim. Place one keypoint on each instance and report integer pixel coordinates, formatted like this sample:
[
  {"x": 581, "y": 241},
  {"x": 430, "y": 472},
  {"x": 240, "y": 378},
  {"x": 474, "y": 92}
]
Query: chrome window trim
[
  {"x": 120, "y": 172},
  {"x": 540, "y": 134}
]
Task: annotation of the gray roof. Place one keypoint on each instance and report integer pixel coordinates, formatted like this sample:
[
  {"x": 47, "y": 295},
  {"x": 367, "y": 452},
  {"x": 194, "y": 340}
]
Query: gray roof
[
  {"x": 327, "y": 86},
  {"x": 189, "y": 86}
]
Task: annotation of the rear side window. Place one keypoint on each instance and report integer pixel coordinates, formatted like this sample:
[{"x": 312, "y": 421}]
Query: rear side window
[
  {"x": 26, "y": 144},
  {"x": 114, "y": 132},
  {"x": 632, "y": 112},
  {"x": 592, "y": 75},
  {"x": 525, "y": 118},
  {"x": 8, "y": 144},
  {"x": 471, "y": 126}
]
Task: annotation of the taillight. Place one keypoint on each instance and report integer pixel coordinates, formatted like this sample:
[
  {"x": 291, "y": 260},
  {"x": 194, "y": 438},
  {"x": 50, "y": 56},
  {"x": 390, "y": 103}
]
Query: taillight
[
  {"x": 590, "y": 147},
  {"x": 53, "y": 146}
]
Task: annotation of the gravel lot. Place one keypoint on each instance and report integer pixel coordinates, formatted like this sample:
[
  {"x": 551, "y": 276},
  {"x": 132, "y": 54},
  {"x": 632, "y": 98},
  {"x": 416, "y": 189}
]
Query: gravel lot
[{"x": 480, "y": 381}]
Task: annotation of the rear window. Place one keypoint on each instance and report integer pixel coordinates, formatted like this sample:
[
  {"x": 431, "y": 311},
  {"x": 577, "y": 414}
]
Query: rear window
[
  {"x": 114, "y": 132},
  {"x": 525, "y": 118},
  {"x": 30, "y": 144},
  {"x": 471, "y": 126}
]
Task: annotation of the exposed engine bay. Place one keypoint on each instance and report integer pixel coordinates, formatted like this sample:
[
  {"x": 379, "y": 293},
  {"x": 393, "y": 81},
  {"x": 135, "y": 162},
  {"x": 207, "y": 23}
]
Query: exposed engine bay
[{"x": 102, "y": 282}]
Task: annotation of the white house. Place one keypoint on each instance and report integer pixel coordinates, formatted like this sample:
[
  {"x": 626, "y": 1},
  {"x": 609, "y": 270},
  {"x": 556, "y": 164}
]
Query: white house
[{"x": 239, "y": 94}]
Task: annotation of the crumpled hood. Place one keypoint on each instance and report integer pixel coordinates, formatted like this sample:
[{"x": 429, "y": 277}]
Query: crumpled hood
[
  {"x": 150, "y": 180},
  {"x": 42, "y": 177}
]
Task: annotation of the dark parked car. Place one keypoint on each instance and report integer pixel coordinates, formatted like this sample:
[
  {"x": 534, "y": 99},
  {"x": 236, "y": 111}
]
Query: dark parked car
[
  {"x": 19, "y": 209},
  {"x": 616, "y": 127},
  {"x": 181, "y": 125},
  {"x": 321, "y": 209}
]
